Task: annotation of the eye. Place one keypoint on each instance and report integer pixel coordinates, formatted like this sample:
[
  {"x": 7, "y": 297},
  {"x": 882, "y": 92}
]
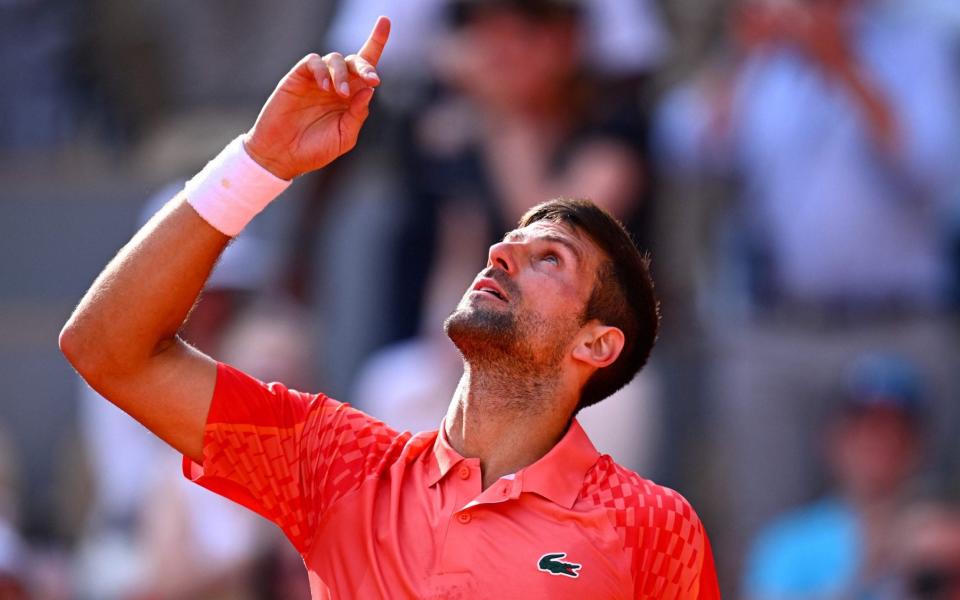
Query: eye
[{"x": 550, "y": 257}]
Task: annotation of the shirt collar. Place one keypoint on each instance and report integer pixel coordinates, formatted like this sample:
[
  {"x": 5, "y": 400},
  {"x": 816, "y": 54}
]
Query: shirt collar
[
  {"x": 445, "y": 456},
  {"x": 557, "y": 476}
]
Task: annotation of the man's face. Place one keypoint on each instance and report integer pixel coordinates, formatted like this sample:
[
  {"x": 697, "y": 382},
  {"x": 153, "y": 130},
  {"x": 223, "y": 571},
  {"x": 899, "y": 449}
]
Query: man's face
[
  {"x": 506, "y": 59},
  {"x": 875, "y": 451},
  {"x": 529, "y": 301}
]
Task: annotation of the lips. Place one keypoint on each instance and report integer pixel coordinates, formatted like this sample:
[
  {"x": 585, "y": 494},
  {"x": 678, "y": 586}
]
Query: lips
[{"x": 487, "y": 285}]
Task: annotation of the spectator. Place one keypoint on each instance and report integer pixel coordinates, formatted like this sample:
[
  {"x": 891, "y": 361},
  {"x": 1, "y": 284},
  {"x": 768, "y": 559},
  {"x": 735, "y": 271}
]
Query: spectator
[
  {"x": 522, "y": 135},
  {"x": 843, "y": 545},
  {"x": 840, "y": 121}
]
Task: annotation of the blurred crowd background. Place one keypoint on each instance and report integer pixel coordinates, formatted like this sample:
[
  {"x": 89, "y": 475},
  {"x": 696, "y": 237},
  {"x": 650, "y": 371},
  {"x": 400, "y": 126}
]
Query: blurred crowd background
[{"x": 793, "y": 166}]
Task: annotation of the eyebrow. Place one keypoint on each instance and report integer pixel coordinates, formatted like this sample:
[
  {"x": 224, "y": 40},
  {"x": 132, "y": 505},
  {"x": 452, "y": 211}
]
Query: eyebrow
[{"x": 515, "y": 235}]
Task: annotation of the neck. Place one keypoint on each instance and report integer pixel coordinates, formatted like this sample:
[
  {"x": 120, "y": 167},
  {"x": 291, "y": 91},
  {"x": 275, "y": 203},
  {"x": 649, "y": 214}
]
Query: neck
[
  {"x": 874, "y": 502},
  {"x": 549, "y": 111},
  {"x": 507, "y": 419}
]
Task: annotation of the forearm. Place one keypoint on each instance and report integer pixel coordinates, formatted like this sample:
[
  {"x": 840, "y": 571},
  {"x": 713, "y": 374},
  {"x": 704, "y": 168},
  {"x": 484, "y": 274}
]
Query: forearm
[{"x": 138, "y": 303}]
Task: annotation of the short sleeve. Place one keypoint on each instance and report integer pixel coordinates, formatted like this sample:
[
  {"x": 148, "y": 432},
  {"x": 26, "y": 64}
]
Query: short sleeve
[
  {"x": 709, "y": 586},
  {"x": 673, "y": 555},
  {"x": 285, "y": 454},
  {"x": 663, "y": 538}
]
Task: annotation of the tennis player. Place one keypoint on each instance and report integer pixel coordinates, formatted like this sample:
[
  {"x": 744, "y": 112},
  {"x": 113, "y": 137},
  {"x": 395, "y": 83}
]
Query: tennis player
[{"x": 509, "y": 498}]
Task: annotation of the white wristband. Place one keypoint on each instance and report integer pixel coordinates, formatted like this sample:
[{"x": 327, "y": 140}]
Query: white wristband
[{"x": 230, "y": 191}]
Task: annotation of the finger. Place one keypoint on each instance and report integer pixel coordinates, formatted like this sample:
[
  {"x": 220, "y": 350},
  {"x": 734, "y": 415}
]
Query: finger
[
  {"x": 362, "y": 69},
  {"x": 337, "y": 68},
  {"x": 357, "y": 113},
  {"x": 360, "y": 104},
  {"x": 373, "y": 47},
  {"x": 319, "y": 70}
]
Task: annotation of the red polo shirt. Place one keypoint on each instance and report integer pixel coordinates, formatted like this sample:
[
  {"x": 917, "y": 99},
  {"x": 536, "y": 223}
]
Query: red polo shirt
[{"x": 380, "y": 514}]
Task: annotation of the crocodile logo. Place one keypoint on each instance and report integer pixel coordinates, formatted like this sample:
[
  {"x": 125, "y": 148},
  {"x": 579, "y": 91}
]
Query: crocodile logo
[{"x": 551, "y": 563}]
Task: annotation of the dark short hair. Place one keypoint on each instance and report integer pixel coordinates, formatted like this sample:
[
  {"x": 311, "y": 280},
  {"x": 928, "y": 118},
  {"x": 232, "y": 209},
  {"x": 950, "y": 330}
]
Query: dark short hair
[
  {"x": 622, "y": 297},
  {"x": 461, "y": 12}
]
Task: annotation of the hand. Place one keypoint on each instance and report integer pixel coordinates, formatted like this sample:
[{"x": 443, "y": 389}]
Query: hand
[{"x": 317, "y": 110}]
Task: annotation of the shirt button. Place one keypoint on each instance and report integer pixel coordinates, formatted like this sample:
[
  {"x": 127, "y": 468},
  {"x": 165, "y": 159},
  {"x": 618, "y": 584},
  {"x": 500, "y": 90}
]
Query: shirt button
[
  {"x": 464, "y": 518},
  {"x": 464, "y": 472}
]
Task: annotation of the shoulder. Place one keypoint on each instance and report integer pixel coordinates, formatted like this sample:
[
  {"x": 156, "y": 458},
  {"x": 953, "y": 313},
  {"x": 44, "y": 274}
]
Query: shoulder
[
  {"x": 614, "y": 486},
  {"x": 659, "y": 529},
  {"x": 344, "y": 437}
]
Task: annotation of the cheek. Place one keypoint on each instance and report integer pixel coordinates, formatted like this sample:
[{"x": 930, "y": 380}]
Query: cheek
[{"x": 554, "y": 301}]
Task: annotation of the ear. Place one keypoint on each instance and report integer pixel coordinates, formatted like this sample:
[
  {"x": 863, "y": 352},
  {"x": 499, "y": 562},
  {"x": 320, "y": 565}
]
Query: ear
[{"x": 598, "y": 345}]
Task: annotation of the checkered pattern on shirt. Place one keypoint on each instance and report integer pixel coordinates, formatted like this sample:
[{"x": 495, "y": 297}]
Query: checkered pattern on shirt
[
  {"x": 661, "y": 534},
  {"x": 292, "y": 455}
]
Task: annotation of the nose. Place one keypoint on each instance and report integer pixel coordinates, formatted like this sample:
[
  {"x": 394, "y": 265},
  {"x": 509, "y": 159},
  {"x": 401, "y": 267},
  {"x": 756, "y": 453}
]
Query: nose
[{"x": 502, "y": 255}]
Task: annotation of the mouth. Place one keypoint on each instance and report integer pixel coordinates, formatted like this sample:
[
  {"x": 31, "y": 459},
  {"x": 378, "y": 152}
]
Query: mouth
[{"x": 491, "y": 287}]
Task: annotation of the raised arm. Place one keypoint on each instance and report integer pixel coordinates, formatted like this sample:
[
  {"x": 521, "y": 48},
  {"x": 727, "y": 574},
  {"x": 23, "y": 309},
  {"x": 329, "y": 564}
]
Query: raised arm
[{"x": 122, "y": 337}]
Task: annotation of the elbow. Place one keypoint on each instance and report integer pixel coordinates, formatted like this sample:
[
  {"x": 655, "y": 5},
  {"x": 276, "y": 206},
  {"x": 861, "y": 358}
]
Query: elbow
[
  {"x": 76, "y": 348},
  {"x": 67, "y": 340},
  {"x": 100, "y": 356}
]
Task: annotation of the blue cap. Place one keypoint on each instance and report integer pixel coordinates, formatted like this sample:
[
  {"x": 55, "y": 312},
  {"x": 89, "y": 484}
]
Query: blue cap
[{"x": 884, "y": 381}]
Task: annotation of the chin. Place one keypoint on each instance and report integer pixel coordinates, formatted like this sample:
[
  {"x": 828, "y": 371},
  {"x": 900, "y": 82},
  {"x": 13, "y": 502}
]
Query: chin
[{"x": 479, "y": 331}]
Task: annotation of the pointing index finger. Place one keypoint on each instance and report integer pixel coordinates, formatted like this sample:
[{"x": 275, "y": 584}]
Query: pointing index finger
[{"x": 373, "y": 47}]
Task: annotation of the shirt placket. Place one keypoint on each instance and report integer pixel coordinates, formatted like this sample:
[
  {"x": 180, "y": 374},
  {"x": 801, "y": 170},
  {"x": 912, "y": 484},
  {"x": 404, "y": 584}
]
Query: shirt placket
[
  {"x": 463, "y": 484},
  {"x": 469, "y": 513}
]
